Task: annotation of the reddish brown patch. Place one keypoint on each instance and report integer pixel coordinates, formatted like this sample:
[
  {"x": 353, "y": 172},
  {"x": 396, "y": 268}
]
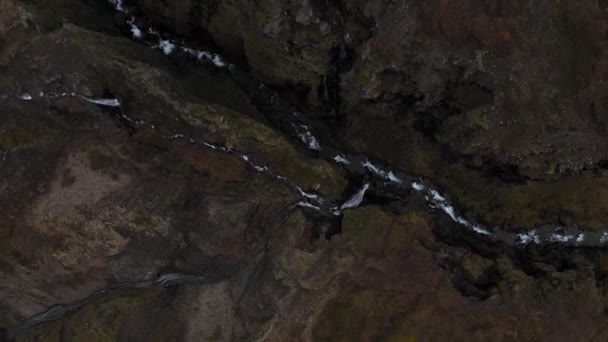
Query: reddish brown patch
[
  {"x": 460, "y": 21},
  {"x": 590, "y": 54},
  {"x": 214, "y": 164}
]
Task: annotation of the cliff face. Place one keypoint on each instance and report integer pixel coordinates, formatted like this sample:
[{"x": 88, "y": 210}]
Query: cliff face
[
  {"x": 303, "y": 170},
  {"x": 513, "y": 89},
  {"x": 515, "y": 82}
]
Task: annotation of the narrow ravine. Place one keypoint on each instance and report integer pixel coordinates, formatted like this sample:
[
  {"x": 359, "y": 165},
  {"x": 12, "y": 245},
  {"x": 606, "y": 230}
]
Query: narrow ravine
[
  {"x": 236, "y": 170},
  {"x": 308, "y": 199},
  {"x": 382, "y": 179},
  {"x": 403, "y": 184}
]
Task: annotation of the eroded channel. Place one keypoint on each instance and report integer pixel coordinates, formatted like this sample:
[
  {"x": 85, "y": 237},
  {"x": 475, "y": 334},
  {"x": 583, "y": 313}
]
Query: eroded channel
[{"x": 296, "y": 126}]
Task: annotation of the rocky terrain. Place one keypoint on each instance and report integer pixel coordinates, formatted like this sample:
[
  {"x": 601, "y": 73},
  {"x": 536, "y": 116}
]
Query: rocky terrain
[{"x": 305, "y": 170}]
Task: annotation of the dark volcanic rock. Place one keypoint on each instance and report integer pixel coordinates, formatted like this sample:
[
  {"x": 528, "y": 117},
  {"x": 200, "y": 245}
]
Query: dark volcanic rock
[
  {"x": 498, "y": 90},
  {"x": 151, "y": 196},
  {"x": 522, "y": 80}
]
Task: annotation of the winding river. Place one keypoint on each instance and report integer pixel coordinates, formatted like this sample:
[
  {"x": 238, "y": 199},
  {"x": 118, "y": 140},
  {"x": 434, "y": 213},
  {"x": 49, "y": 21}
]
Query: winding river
[
  {"x": 404, "y": 185},
  {"x": 380, "y": 178}
]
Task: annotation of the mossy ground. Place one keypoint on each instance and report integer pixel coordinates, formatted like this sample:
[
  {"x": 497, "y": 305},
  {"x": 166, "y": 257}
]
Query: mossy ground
[
  {"x": 582, "y": 198},
  {"x": 371, "y": 231},
  {"x": 23, "y": 133},
  {"x": 247, "y": 135}
]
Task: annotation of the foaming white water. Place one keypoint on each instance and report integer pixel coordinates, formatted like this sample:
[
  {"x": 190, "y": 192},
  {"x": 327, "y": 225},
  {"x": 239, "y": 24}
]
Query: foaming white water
[
  {"x": 528, "y": 237},
  {"x": 167, "y": 46},
  {"x": 309, "y": 195},
  {"x": 115, "y": 103},
  {"x": 201, "y": 55},
  {"x": 303, "y": 132},
  {"x": 108, "y": 102},
  {"x": 388, "y": 175},
  {"x": 259, "y": 168},
  {"x": 305, "y": 204},
  {"x": 356, "y": 199},
  {"x": 433, "y": 197},
  {"x": 340, "y": 159},
  {"x": 307, "y": 137},
  {"x": 118, "y": 5},
  {"x": 561, "y": 238},
  {"x": 437, "y": 200},
  {"x": 135, "y": 31},
  {"x": 103, "y": 102},
  {"x": 309, "y": 200},
  {"x": 418, "y": 186},
  {"x": 604, "y": 238}
]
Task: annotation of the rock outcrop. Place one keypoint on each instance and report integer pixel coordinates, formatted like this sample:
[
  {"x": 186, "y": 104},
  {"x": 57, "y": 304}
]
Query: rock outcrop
[{"x": 147, "y": 195}]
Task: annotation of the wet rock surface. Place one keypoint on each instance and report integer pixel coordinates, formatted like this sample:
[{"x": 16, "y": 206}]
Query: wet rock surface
[{"x": 302, "y": 170}]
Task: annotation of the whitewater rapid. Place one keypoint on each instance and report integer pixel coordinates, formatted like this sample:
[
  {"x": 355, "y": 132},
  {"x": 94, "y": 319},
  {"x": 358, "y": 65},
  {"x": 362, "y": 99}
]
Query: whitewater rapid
[{"x": 416, "y": 186}]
